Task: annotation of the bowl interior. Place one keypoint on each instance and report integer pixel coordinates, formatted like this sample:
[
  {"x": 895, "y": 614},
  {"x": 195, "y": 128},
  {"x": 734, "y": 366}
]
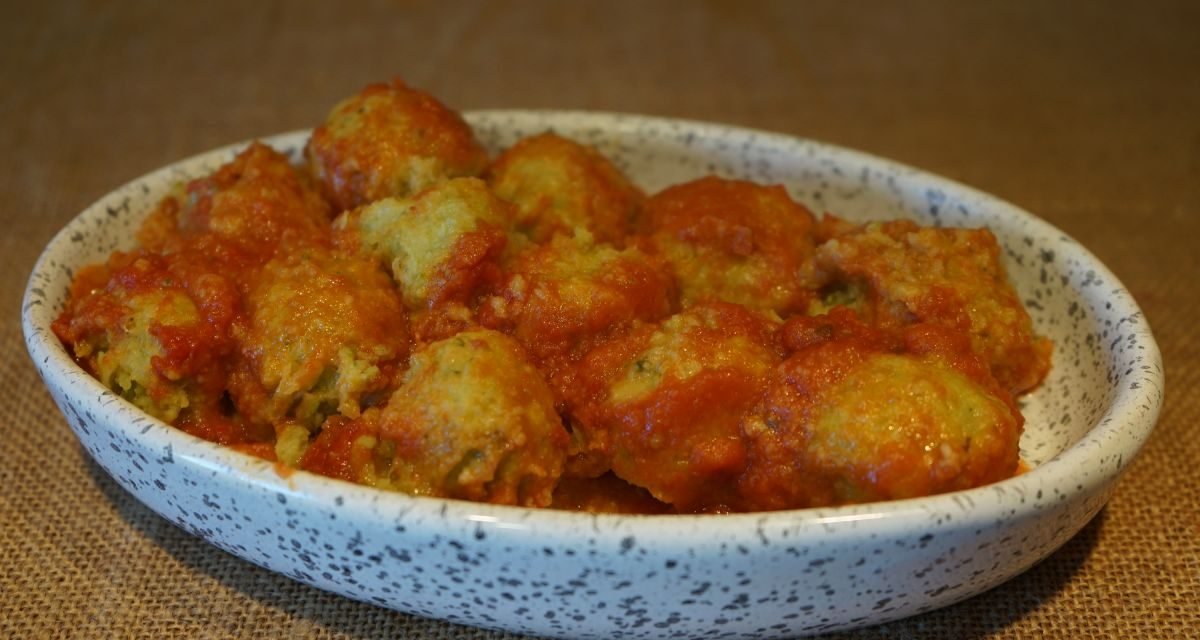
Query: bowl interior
[{"x": 1102, "y": 348}]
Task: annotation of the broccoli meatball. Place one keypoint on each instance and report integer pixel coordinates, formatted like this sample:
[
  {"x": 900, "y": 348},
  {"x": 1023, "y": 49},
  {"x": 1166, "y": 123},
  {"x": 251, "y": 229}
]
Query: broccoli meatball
[
  {"x": 896, "y": 273},
  {"x": 472, "y": 420},
  {"x": 323, "y": 333},
  {"x": 251, "y": 203},
  {"x": 563, "y": 297},
  {"x": 662, "y": 406},
  {"x": 444, "y": 246},
  {"x": 558, "y": 185},
  {"x": 441, "y": 244},
  {"x": 151, "y": 331},
  {"x": 390, "y": 141},
  {"x": 856, "y": 416},
  {"x": 123, "y": 354},
  {"x": 735, "y": 241}
]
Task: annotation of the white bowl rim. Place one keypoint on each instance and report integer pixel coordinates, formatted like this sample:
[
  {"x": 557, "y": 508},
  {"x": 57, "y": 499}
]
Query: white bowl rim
[{"x": 1121, "y": 430}]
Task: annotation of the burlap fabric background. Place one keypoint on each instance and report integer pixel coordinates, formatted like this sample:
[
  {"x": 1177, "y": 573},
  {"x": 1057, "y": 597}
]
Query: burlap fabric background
[{"x": 1086, "y": 114}]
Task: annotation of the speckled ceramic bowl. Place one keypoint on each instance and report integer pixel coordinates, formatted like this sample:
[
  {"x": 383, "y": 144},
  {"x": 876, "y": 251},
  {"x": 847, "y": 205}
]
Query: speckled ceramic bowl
[{"x": 604, "y": 576}]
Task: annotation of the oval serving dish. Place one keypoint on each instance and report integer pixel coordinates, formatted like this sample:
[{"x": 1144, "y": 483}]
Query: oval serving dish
[{"x": 605, "y": 576}]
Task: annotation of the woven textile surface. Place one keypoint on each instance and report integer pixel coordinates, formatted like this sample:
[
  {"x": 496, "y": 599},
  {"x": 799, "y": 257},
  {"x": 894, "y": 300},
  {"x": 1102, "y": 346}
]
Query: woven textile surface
[{"x": 1087, "y": 114}]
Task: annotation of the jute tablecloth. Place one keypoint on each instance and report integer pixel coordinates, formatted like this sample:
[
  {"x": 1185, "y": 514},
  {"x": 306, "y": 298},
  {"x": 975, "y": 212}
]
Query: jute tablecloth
[{"x": 1087, "y": 114}]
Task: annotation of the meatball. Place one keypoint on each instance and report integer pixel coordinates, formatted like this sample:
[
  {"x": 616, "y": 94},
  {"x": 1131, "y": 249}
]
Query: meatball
[
  {"x": 441, "y": 244},
  {"x": 856, "y": 416},
  {"x": 896, "y": 273},
  {"x": 152, "y": 331},
  {"x": 323, "y": 334},
  {"x": 390, "y": 141},
  {"x": 251, "y": 203},
  {"x": 735, "y": 241},
  {"x": 563, "y": 297},
  {"x": 472, "y": 420},
  {"x": 444, "y": 246},
  {"x": 662, "y": 406},
  {"x": 558, "y": 185}
]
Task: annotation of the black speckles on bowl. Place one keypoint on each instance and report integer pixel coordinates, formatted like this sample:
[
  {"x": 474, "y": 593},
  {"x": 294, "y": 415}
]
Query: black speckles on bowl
[{"x": 577, "y": 575}]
